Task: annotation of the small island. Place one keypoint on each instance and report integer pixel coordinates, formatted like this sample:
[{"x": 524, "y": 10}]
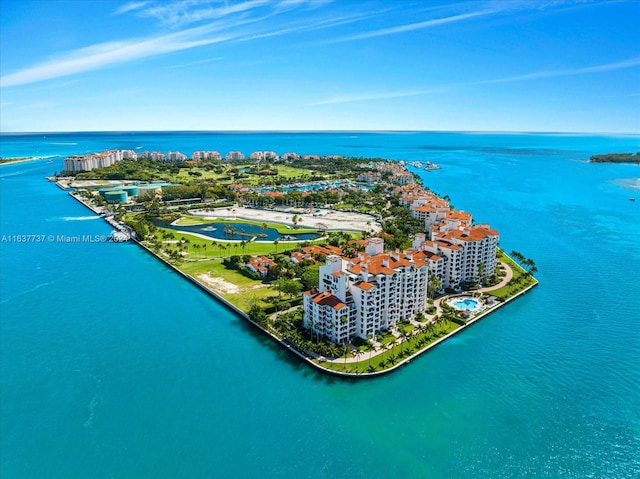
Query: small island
[
  {"x": 349, "y": 263},
  {"x": 616, "y": 158},
  {"x": 6, "y": 161}
]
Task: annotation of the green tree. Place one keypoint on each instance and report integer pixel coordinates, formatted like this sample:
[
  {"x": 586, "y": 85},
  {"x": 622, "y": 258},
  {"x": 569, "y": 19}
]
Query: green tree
[
  {"x": 433, "y": 285},
  {"x": 406, "y": 337},
  {"x": 310, "y": 278},
  {"x": 481, "y": 269},
  {"x": 290, "y": 287},
  {"x": 257, "y": 314}
]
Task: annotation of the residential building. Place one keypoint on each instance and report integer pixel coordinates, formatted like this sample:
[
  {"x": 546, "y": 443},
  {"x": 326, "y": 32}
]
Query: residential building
[
  {"x": 92, "y": 160},
  {"x": 465, "y": 251},
  {"x": 310, "y": 253},
  {"x": 264, "y": 155},
  {"x": 176, "y": 156},
  {"x": 365, "y": 295},
  {"x": 260, "y": 265},
  {"x": 206, "y": 155},
  {"x": 291, "y": 156},
  {"x": 234, "y": 155},
  {"x": 129, "y": 155}
]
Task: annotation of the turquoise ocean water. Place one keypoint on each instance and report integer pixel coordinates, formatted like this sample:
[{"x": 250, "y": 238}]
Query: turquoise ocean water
[{"x": 112, "y": 366}]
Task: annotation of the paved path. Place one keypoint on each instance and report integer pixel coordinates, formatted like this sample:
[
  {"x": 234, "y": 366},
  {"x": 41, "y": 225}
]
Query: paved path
[{"x": 502, "y": 283}]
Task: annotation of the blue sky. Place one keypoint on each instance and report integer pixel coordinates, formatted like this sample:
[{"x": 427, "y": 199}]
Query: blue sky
[{"x": 505, "y": 65}]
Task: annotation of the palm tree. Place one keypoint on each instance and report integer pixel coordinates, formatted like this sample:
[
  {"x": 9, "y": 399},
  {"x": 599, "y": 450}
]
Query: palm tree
[
  {"x": 275, "y": 243},
  {"x": 346, "y": 351},
  {"x": 406, "y": 337},
  {"x": 356, "y": 354},
  {"x": 383, "y": 347},
  {"x": 370, "y": 348},
  {"x": 481, "y": 269},
  {"x": 392, "y": 343}
]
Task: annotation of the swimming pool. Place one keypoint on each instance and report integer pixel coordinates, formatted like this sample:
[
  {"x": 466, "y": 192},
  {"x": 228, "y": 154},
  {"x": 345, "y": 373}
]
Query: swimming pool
[{"x": 465, "y": 303}]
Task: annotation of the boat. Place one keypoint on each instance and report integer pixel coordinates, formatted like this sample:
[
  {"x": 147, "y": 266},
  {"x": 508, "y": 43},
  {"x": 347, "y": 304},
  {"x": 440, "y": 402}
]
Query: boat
[
  {"x": 118, "y": 237},
  {"x": 632, "y": 199},
  {"x": 431, "y": 166}
]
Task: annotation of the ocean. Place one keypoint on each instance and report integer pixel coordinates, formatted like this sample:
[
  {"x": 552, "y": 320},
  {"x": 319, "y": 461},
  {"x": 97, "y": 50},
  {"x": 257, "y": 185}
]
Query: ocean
[{"x": 113, "y": 366}]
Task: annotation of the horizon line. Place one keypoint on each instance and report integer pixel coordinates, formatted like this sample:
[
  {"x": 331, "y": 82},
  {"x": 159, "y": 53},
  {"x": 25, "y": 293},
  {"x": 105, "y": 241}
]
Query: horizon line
[{"x": 250, "y": 131}]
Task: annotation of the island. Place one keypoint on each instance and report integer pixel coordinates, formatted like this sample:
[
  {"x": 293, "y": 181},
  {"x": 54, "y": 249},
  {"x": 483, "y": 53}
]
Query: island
[
  {"x": 352, "y": 264},
  {"x": 616, "y": 158},
  {"x": 6, "y": 161}
]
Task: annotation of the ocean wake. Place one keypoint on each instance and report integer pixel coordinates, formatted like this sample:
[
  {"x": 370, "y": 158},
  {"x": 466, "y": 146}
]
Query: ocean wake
[
  {"x": 628, "y": 183},
  {"x": 79, "y": 218},
  {"x": 92, "y": 411}
]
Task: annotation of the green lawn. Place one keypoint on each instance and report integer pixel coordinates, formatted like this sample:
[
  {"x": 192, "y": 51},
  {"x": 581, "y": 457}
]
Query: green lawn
[
  {"x": 290, "y": 172},
  {"x": 520, "y": 281},
  {"x": 245, "y": 299},
  {"x": 183, "y": 176},
  {"x": 250, "y": 290},
  {"x": 199, "y": 248},
  {"x": 365, "y": 365},
  {"x": 217, "y": 269}
]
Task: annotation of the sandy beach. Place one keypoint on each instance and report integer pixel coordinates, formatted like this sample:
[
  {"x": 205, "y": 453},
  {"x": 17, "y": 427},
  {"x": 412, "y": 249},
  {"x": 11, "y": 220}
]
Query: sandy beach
[{"x": 324, "y": 219}]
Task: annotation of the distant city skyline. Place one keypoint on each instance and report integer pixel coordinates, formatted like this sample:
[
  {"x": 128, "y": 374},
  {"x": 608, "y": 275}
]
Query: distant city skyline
[{"x": 495, "y": 65}]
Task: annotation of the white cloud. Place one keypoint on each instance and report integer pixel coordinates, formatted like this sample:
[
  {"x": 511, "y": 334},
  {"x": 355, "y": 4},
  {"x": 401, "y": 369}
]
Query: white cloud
[
  {"x": 416, "y": 26},
  {"x": 629, "y": 63},
  {"x": 112, "y": 53},
  {"x": 199, "y": 62},
  {"x": 189, "y": 11},
  {"x": 372, "y": 96},
  {"x": 129, "y": 7},
  {"x": 240, "y": 27}
]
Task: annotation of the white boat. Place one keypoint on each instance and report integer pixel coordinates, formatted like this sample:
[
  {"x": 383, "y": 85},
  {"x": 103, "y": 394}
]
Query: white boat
[
  {"x": 431, "y": 166},
  {"x": 119, "y": 237}
]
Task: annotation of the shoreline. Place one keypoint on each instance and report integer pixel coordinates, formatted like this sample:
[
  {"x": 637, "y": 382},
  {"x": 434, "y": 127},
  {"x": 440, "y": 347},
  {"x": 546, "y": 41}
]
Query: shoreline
[
  {"x": 286, "y": 344},
  {"x": 26, "y": 159}
]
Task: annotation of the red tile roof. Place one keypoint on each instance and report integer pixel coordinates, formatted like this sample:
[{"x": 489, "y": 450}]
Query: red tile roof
[
  {"x": 364, "y": 285},
  {"x": 328, "y": 299}
]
